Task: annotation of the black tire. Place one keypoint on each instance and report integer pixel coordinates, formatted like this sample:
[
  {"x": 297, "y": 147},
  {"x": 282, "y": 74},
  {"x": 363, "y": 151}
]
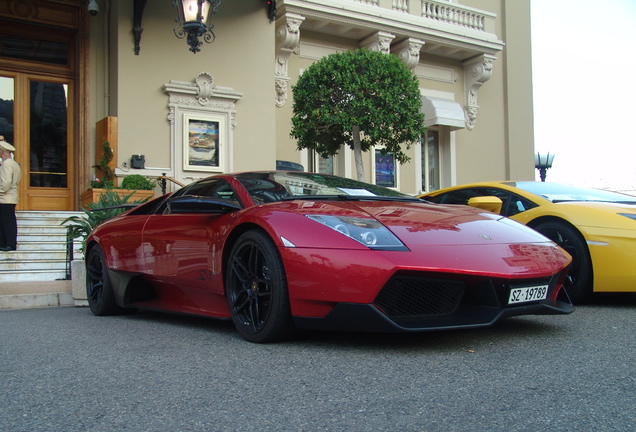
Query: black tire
[
  {"x": 99, "y": 290},
  {"x": 578, "y": 283},
  {"x": 256, "y": 290}
]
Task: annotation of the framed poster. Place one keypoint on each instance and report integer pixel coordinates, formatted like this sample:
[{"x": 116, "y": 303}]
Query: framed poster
[
  {"x": 385, "y": 169},
  {"x": 204, "y": 142}
]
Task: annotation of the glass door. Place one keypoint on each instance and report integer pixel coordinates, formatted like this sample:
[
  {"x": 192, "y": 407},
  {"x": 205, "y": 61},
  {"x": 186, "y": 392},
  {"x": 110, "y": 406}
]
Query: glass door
[{"x": 36, "y": 117}]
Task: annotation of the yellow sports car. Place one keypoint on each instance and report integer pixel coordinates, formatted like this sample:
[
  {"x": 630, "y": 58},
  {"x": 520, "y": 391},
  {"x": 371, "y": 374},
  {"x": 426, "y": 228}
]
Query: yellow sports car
[{"x": 597, "y": 227}]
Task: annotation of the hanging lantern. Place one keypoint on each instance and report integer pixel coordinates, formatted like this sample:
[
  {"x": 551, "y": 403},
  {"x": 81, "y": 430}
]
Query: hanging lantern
[{"x": 194, "y": 21}]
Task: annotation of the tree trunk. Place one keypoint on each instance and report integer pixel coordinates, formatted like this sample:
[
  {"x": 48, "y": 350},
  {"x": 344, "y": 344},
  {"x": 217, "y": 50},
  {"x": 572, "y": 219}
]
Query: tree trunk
[{"x": 357, "y": 153}]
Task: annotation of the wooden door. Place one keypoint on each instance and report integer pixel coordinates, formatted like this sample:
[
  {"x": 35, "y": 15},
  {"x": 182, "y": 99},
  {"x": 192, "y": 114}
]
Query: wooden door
[{"x": 38, "y": 119}]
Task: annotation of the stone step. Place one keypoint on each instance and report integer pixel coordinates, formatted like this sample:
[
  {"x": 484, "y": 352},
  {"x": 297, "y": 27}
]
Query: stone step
[
  {"x": 42, "y": 248},
  {"x": 34, "y": 275},
  {"x": 28, "y": 218},
  {"x": 42, "y": 229},
  {"x": 11, "y": 265},
  {"x": 52, "y": 244},
  {"x": 43, "y": 238}
]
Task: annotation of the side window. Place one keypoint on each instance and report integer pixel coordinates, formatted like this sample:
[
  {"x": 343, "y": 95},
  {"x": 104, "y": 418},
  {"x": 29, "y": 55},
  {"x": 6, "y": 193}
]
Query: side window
[
  {"x": 512, "y": 204},
  {"x": 518, "y": 204},
  {"x": 214, "y": 187},
  {"x": 456, "y": 197},
  {"x": 263, "y": 189}
]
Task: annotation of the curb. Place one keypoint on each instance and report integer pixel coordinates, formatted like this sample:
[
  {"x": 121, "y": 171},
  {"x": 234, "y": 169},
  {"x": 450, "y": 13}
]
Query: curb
[{"x": 28, "y": 301}]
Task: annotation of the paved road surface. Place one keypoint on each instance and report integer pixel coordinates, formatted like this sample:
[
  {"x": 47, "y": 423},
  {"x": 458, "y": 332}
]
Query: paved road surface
[{"x": 62, "y": 369}]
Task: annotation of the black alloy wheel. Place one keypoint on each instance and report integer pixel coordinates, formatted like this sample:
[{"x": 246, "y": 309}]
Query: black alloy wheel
[
  {"x": 256, "y": 289},
  {"x": 99, "y": 290},
  {"x": 578, "y": 283}
]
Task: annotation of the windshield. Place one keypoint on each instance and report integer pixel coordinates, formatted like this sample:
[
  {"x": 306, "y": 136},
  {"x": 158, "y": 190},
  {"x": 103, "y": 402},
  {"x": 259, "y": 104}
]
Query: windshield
[
  {"x": 282, "y": 185},
  {"x": 557, "y": 192}
]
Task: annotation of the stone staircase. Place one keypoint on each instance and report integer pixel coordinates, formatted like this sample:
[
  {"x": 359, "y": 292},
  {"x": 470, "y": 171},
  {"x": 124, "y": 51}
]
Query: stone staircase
[{"x": 42, "y": 249}]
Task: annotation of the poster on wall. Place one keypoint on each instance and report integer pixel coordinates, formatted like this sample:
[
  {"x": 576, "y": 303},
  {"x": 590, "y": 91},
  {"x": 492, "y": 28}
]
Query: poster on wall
[
  {"x": 203, "y": 143},
  {"x": 385, "y": 169}
]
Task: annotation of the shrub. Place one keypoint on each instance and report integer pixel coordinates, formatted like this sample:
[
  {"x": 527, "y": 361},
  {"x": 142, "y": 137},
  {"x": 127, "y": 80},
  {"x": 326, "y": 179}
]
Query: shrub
[{"x": 137, "y": 182}]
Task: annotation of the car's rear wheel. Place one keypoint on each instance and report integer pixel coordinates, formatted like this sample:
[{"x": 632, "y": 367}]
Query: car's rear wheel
[
  {"x": 99, "y": 290},
  {"x": 256, "y": 289},
  {"x": 578, "y": 283}
]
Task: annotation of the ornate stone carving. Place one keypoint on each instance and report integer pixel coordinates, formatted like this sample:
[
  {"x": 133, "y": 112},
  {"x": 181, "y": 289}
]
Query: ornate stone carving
[
  {"x": 409, "y": 51},
  {"x": 202, "y": 93},
  {"x": 199, "y": 99},
  {"x": 205, "y": 83},
  {"x": 476, "y": 72},
  {"x": 380, "y": 41},
  {"x": 287, "y": 41}
]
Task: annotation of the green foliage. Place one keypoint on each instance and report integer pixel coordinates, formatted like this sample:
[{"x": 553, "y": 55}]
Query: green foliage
[
  {"x": 81, "y": 226},
  {"x": 363, "y": 88},
  {"x": 137, "y": 182},
  {"x": 108, "y": 180}
]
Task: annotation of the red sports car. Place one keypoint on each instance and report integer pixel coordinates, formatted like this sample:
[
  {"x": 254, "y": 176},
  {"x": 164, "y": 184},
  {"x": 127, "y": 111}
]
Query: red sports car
[{"x": 280, "y": 251}]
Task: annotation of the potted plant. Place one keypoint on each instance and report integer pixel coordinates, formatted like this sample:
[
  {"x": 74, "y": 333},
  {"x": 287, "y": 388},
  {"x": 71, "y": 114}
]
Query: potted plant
[
  {"x": 135, "y": 184},
  {"x": 95, "y": 213},
  {"x": 107, "y": 181}
]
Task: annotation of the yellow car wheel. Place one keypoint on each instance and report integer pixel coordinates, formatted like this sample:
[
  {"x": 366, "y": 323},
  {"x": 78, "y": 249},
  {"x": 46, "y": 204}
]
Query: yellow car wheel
[{"x": 578, "y": 283}]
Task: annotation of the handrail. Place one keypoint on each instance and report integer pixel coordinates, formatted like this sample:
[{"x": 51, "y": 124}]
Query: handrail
[
  {"x": 164, "y": 184},
  {"x": 69, "y": 253}
]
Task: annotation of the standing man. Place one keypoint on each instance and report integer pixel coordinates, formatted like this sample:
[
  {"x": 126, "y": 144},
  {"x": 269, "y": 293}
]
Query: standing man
[{"x": 9, "y": 179}]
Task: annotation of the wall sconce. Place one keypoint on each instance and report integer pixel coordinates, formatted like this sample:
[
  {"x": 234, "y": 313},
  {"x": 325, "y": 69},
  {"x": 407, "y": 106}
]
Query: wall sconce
[
  {"x": 193, "y": 21},
  {"x": 93, "y": 7}
]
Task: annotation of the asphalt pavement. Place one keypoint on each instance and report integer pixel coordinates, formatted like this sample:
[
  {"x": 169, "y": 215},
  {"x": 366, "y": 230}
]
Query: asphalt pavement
[{"x": 63, "y": 369}]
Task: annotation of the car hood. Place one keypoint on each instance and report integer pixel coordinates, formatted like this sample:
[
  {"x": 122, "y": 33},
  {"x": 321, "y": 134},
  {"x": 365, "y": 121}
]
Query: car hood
[
  {"x": 419, "y": 223},
  {"x": 454, "y": 238},
  {"x": 427, "y": 224}
]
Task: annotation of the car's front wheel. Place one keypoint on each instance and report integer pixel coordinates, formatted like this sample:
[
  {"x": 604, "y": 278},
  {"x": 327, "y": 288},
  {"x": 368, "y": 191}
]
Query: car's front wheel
[
  {"x": 578, "y": 283},
  {"x": 256, "y": 289}
]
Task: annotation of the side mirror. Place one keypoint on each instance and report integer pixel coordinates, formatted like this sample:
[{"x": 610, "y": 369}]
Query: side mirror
[
  {"x": 200, "y": 204},
  {"x": 488, "y": 203}
]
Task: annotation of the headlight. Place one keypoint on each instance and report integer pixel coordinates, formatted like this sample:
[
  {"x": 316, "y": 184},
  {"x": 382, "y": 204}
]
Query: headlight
[
  {"x": 632, "y": 216},
  {"x": 368, "y": 232}
]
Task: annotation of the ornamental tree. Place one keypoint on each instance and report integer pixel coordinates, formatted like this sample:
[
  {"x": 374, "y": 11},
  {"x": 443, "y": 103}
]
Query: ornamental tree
[{"x": 359, "y": 98}]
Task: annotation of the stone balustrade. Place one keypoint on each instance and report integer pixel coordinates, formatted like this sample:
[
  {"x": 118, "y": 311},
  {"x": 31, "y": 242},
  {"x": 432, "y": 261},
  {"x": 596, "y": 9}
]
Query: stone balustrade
[
  {"x": 438, "y": 10},
  {"x": 454, "y": 14}
]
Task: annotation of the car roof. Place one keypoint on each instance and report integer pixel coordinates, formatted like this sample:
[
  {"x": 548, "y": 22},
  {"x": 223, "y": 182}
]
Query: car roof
[{"x": 551, "y": 191}]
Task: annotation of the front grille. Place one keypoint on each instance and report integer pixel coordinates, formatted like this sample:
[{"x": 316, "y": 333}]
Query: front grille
[{"x": 405, "y": 297}]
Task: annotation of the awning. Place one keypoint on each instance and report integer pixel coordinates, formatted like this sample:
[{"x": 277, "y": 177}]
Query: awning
[{"x": 445, "y": 112}]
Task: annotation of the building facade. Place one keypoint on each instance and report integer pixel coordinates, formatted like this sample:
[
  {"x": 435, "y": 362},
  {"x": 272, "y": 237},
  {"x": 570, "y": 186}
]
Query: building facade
[{"x": 71, "y": 80}]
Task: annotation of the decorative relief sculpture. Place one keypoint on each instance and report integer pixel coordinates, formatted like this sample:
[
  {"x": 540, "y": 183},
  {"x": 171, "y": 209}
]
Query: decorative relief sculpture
[
  {"x": 476, "y": 72},
  {"x": 380, "y": 41},
  {"x": 205, "y": 82},
  {"x": 287, "y": 42},
  {"x": 409, "y": 51}
]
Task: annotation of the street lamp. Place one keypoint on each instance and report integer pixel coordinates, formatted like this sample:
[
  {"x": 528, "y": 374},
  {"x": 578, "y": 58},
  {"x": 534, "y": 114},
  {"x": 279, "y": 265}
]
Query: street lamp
[
  {"x": 543, "y": 161},
  {"x": 193, "y": 21}
]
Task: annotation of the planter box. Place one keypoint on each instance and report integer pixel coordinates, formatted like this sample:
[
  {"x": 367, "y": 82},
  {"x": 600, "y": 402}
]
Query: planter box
[{"x": 92, "y": 195}]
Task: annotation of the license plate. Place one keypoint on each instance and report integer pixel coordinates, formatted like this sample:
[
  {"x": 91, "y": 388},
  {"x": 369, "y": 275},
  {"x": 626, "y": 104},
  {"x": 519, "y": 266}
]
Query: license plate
[{"x": 528, "y": 294}]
